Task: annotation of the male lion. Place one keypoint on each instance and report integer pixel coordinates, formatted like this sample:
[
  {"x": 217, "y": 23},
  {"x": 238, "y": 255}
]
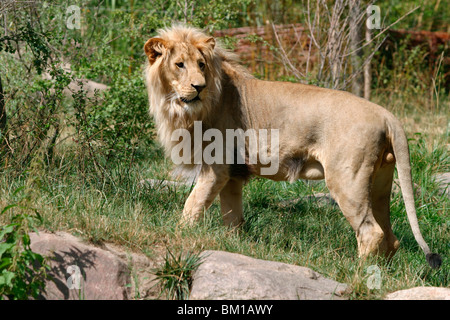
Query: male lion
[{"x": 323, "y": 134}]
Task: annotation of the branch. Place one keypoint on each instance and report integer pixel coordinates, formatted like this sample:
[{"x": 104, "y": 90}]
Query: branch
[
  {"x": 285, "y": 57},
  {"x": 378, "y": 35},
  {"x": 366, "y": 61}
]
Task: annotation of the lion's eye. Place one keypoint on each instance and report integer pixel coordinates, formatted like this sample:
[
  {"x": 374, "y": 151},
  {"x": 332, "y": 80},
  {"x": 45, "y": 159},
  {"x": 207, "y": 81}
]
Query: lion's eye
[
  {"x": 180, "y": 64},
  {"x": 201, "y": 65}
]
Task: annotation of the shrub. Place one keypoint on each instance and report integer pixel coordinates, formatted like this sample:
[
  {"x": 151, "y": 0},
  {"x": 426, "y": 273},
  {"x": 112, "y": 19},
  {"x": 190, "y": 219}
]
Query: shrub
[{"x": 22, "y": 271}]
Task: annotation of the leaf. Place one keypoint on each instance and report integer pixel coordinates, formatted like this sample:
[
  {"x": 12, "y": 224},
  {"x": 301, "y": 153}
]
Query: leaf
[
  {"x": 5, "y": 263},
  {"x": 18, "y": 190},
  {"x": 26, "y": 240},
  {"x": 5, "y": 247},
  {"x": 6, "y": 229},
  {"x": 8, "y": 207},
  {"x": 6, "y": 278}
]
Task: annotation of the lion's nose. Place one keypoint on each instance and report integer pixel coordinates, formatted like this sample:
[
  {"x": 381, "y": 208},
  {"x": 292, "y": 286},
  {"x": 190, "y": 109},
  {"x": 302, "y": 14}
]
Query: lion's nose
[{"x": 197, "y": 87}]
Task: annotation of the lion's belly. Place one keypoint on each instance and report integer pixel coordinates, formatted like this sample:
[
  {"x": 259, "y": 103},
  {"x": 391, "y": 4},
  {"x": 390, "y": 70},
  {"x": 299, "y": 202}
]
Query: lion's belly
[{"x": 294, "y": 168}]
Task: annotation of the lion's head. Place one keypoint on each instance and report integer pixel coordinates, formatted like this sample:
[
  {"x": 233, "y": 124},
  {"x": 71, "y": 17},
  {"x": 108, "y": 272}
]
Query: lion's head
[{"x": 182, "y": 75}]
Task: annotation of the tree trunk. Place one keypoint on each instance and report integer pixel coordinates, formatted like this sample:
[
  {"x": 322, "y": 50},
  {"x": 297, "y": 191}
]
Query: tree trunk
[
  {"x": 355, "y": 43},
  {"x": 2, "y": 119}
]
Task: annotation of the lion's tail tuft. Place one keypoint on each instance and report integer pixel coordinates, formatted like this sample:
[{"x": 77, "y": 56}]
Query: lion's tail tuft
[{"x": 434, "y": 260}]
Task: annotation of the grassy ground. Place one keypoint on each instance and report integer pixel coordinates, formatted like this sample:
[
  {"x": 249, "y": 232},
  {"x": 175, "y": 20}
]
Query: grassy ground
[{"x": 124, "y": 211}]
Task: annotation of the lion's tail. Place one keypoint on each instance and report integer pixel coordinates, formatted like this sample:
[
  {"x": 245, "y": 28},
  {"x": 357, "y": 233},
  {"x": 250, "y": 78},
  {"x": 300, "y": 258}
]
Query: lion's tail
[{"x": 401, "y": 151}]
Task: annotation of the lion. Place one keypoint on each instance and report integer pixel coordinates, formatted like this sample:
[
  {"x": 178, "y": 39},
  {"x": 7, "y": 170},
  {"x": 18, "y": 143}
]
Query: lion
[{"x": 326, "y": 134}]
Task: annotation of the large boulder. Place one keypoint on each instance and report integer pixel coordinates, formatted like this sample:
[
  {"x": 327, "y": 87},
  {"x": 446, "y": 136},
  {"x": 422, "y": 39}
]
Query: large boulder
[
  {"x": 79, "y": 270},
  {"x": 420, "y": 293},
  {"x": 224, "y": 275}
]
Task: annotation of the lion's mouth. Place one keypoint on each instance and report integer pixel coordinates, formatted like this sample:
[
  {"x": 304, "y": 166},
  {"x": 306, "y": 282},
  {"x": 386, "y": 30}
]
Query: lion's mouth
[{"x": 197, "y": 98}]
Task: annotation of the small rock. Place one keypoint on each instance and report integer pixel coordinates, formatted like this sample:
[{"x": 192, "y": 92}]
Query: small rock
[
  {"x": 420, "y": 293},
  {"x": 224, "y": 275},
  {"x": 443, "y": 179}
]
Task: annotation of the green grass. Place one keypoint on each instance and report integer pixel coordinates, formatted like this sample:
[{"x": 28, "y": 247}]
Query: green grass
[
  {"x": 175, "y": 275},
  {"x": 124, "y": 211}
]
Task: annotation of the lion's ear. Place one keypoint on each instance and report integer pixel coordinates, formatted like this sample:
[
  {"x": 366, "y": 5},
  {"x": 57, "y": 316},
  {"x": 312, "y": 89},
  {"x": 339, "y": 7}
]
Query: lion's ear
[
  {"x": 211, "y": 43},
  {"x": 206, "y": 45},
  {"x": 154, "y": 48}
]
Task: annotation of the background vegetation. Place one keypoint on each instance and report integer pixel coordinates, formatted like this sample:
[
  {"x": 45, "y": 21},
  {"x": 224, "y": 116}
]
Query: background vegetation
[{"x": 79, "y": 156}]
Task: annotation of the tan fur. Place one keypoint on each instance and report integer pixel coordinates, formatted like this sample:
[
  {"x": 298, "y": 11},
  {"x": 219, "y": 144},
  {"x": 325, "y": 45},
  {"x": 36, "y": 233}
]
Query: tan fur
[{"x": 324, "y": 134}]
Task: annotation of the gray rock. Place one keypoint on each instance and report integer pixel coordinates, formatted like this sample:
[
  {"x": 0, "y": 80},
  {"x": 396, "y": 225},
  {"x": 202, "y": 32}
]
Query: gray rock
[
  {"x": 224, "y": 275},
  {"x": 443, "y": 179},
  {"x": 143, "y": 280},
  {"x": 420, "y": 293},
  {"x": 102, "y": 275},
  {"x": 89, "y": 86}
]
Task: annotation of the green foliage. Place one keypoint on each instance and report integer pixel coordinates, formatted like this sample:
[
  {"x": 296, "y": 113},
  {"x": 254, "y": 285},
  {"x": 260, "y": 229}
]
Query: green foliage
[
  {"x": 22, "y": 271},
  {"x": 432, "y": 15},
  {"x": 402, "y": 72},
  {"x": 119, "y": 118},
  {"x": 406, "y": 72},
  {"x": 425, "y": 160},
  {"x": 34, "y": 40},
  {"x": 126, "y": 25},
  {"x": 175, "y": 274}
]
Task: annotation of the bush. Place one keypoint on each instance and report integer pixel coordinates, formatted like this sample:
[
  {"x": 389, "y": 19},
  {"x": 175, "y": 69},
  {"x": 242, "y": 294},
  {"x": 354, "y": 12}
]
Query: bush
[{"x": 22, "y": 271}]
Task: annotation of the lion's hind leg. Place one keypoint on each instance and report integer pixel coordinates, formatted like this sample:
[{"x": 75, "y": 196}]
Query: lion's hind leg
[
  {"x": 352, "y": 191},
  {"x": 381, "y": 196}
]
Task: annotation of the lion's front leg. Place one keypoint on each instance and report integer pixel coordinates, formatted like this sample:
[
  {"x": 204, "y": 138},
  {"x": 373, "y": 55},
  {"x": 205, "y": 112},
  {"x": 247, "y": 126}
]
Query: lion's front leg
[
  {"x": 209, "y": 184},
  {"x": 231, "y": 203}
]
